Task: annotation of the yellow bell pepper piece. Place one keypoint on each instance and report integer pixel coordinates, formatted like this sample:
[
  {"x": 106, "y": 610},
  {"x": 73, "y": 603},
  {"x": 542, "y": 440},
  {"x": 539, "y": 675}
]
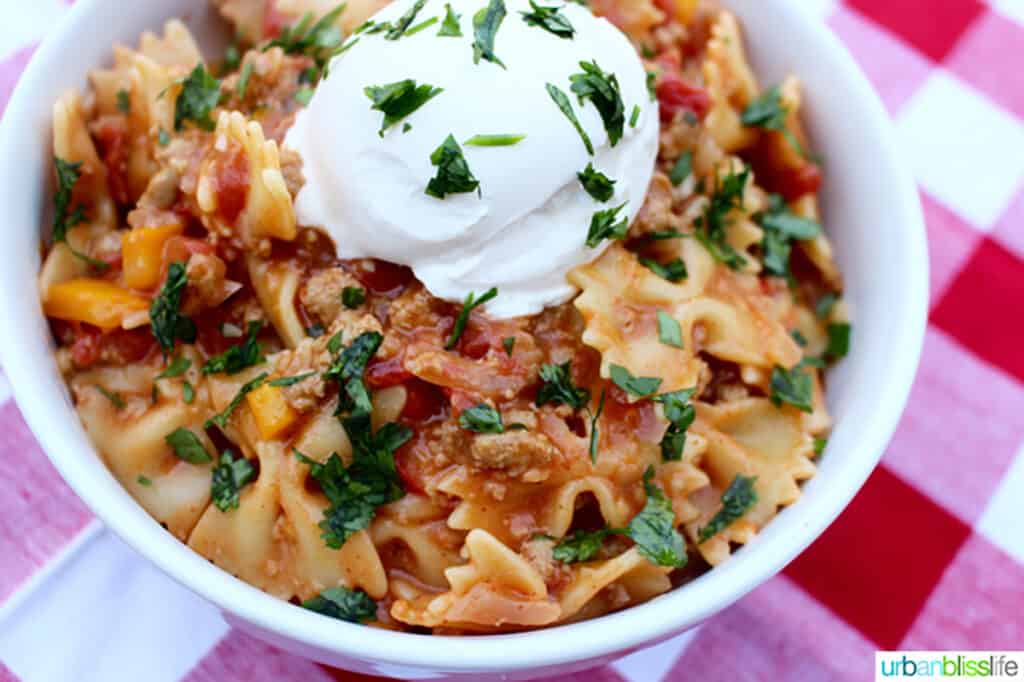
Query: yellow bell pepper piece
[
  {"x": 685, "y": 10},
  {"x": 272, "y": 412},
  {"x": 142, "y": 254},
  {"x": 95, "y": 301}
]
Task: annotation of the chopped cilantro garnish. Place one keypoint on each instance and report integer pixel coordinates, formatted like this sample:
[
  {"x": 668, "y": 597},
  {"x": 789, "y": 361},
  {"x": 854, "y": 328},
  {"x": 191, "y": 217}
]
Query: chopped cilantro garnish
[
  {"x": 67, "y": 176},
  {"x": 319, "y": 41},
  {"x": 199, "y": 96},
  {"x": 124, "y": 102},
  {"x": 823, "y": 308},
  {"x": 549, "y": 19},
  {"x": 654, "y": 529},
  {"x": 481, "y": 418},
  {"x": 282, "y": 382},
  {"x": 652, "y": 85},
  {"x": 602, "y": 89},
  {"x": 486, "y": 23},
  {"x": 582, "y": 545},
  {"x": 781, "y": 227},
  {"x": 163, "y": 137},
  {"x": 819, "y": 445},
  {"x": 670, "y": 332},
  {"x": 495, "y": 140},
  {"x": 792, "y": 386},
  {"x": 243, "y": 80},
  {"x": 509, "y": 344},
  {"x": 468, "y": 305},
  {"x": 144, "y": 480},
  {"x": 425, "y": 24},
  {"x": 769, "y": 113},
  {"x": 453, "y": 174},
  {"x": 187, "y": 446},
  {"x": 237, "y": 358},
  {"x": 115, "y": 398},
  {"x": 711, "y": 227},
  {"x": 596, "y": 183},
  {"x": 737, "y": 500},
  {"x": 680, "y": 414},
  {"x": 800, "y": 339},
  {"x": 682, "y": 169},
  {"x": 303, "y": 96},
  {"x": 838, "y": 340},
  {"x": 221, "y": 419},
  {"x": 177, "y": 367},
  {"x": 342, "y": 603},
  {"x": 168, "y": 324},
  {"x": 229, "y": 477},
  {"x": 563, "y": 103},
  {"x": 673, "y": 271},
  {"x": 398, "y": 29},
  {"x": 606, "y": 225},
  {"x": 450, "y": 26},
  {"x": 353, "y": 297},
  {"x": 595, "y": 437},
  {"x": 641, "y": 387},
  {"x": 347, "y": 369},
  {"x": 399, "y": 99},
  {"x": 634, "y": 116},
  {"x": 558, "y": 387},
  {"x": 188, "y": 394},
  {"x": 232, "y": 58}
]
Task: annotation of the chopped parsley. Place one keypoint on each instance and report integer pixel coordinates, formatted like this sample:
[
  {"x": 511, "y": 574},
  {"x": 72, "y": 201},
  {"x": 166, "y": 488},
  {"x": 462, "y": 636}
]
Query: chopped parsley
[
  {"x": 680, "y": 414},
  {"x": 549, "y": 19},
  {"x": 641, "y": 387},
  {"x": 399, "y": 99},
  {"x": 199, "y": 96},
  {"x": 509, "y": 344},
  {"x": 506, "y": 140},
  {"x": 237, "y": 358},
  {"x": 399, "y": 28},
  {"x": 187, "y": 446},
  {"x": 711, "y": 227},
  {"x": 607, "y": 225},
  {"x": 468, "y": 306},
  {"x": 163, "y": 137},
  {"x": 68, "y": 175},
  {"x": 221, "y": 419},
  {"x": 768, "y": 113},
  {"x": 634, "y": 117},
  {"x": 450, "y": 26},
  {"x": 282, "y": 382},
  {"x": 347, "y": 370},
  {"x": 562, "y": 101},
  {"x": 800, "y": 339},
  {"x": 320, "y": 41},
  {"x": 353, "y": 297},
  {"x": 823, "y": 308},
  {"x": 838, "y": 340},
  {"x": 115, "y": 398},
  {"x": 243, "y": 80},
  {"x": 602, "y": 89},
  {"x": 453, "y": 174},
  {"x": 176, "y": 368},
  {"x": 124, "y": 102},
  {"x": 558, "y": 387},
  {"x": 737, "y": 500},
  {"x": 819, "y": 445},
  {"x": 188, "y": 393},
  {"x": 673, "y": 271},
  {"x": 670, "y": 332},
  {"x": 342, "y": 603},
  {"x": 652, "y": 85},
  {"x": 232, "y": 58},
  {"x": 595, "y": 437},
  {"x": 781, "y": 227},
  {"x": 682, "y": 169},
  {"x": 481, "y": 418},
  {"x": 422, "y": 26},
  {"x": 792, "y": 386},
  {"x": 229, "y": 477},
  {"x": 143, "y": 480},
  {"x": 486, "y": 23},
  {"x": 304, "y": 96},
  {"x": 168, "y": 324},
  {"x": 582, "y": 545},
  {"x": 596, "y": 183},
  {"x": 654, "y": 530}
]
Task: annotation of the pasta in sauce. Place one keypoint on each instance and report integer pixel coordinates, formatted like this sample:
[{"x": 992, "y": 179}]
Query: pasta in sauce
[{"x": 307, "y": 423}]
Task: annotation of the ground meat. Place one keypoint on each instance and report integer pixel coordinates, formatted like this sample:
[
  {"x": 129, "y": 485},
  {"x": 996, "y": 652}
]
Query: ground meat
[
  {"x": 413, "y": 309},
  {"x": 321, "y": 294},
  {"x": 656, "y": 213},
  {"x": 162, "y": 190},
  {"x": 207, "y": 282},
  {"x": 291, "y": 169},
  {"x": 514, "y": 452},
  {"x": 539, "y": 554}
]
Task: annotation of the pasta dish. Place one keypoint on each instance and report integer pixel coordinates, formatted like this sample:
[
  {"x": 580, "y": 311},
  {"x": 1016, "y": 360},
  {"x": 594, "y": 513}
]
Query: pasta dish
[{"x": 434, "y": 377}]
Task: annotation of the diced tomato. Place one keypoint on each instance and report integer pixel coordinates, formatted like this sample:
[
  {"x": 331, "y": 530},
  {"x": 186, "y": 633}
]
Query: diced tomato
[
  {"x": 385, "y": 373},
  {"x": 85, "y": 350},
  {"x": 110, "y": 134},
  {"x": 800, "y": 181},
  {"x": 232, "y": 185},
  {"x": 423, "y": 402},
  {"x": 120, "y": 345},
  {"x": 668, "y": 8},
  {"x": 130, "y": 345},
  {"x": 273, "y": 20},
  {"x": 410, "y": 469},
  {"x": 676, "y": 95},
  {"x": 381, "y": 277},
  {"x": 476, "y": 340}
]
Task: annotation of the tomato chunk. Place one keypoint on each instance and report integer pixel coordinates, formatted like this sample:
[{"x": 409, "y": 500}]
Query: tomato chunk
[{"x": 676, "y": 95}]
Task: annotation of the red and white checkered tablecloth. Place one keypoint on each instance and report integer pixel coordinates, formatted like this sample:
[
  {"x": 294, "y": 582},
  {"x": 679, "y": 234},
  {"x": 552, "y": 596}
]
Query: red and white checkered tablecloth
[{"x": 930, "y": 555}]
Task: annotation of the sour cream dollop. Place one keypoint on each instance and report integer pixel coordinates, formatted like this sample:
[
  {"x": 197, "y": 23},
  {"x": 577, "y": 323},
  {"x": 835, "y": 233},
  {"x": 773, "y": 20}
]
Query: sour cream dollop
[{"x": 527, "y": 226}]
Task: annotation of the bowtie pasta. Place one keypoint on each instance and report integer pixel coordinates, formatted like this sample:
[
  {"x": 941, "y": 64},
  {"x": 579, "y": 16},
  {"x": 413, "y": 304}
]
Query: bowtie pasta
[{"x": 330, "y": 432}]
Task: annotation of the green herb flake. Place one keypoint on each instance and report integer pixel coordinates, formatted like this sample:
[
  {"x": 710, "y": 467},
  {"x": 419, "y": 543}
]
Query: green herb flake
[
  {"x": 561, "y": 100},
  {"x": 670, "y": 332},
  {"x": 453, "y": 174},
  {"x": 823, "y": 308},
  {"x": 558, "y": 387},
  {"x": 468, "y": 306},
  {"x": 450, "y": 26},
  {"x": 353, "y": 297},
  {"x": 176, "y": 368},
  {"x": 283, "y": 382},
  {"x": 188, "y": 394},
  {"x": 509, "y": 344},
  {"x": 187, "y": 446},
  {"x": 634, "y": 117},
  {"x": 652, "y": 85},
  {"x": 737, "y": 500},
  {"x": 342, "y": 603},
  {"x": 768, "y": 113},
  {"x": 682, "y": 169},
  {"x": 838, "y": 340},
  {"x": 348, "y": 367},
  {"x": 582, "y": 545},
  {"x": 243, "y": 80},
  {"x": 232, "y": 58},
  {"x": 800, "y": 339},
  {"x": 221, "y": 419},
  {"x": 596, "y": 183},
  {"x": 654, "y": 529},
  {"x": 399, "y": 99},
  {"x": 239, "y": 357},
  {"x": 680, "y": 414},
  {"x": 143, "y": 480},
  {"x": 481, "y": 418},
  {"x": 550, "y": 20},
  {"x": 607, "y": 225},
  {"x": 320, "y": 41},
  {"x": 422, "y": 26},
  {"x": 68, "y": 175},
  {"x": 595, "y": 437},
  {"x": 486, "y": 23},
  {"x": 673, "y": 271},
  {"x": 200, "y": 94},
  {"x": 819, "y": 446},
  {"x": 163, "y": 137},
  {"x": 304, "y": 96},
  {"x": 602, "y": 89},
  {"x": 502, "y": 140},
  {"x": 115, "y": 398},
  {"x": 399, "y": 28},
  {"x": 793, "y": 386},
  {"x": 640, "y": 387},
  {"x": 168, "y": 324},
  {"x": 781, "y": 227},
  {"x": 230, "y": 475},
  {"x": 124, "y": 102},
  {"x": 711, "y": 226}
]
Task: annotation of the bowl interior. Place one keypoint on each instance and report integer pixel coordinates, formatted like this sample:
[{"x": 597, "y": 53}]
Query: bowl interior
[{"x": 871, "y": 213}]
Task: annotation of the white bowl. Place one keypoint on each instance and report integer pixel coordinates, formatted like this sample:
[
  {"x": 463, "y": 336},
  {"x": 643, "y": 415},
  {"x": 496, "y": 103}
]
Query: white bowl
[{"x": 871, "y": 212}]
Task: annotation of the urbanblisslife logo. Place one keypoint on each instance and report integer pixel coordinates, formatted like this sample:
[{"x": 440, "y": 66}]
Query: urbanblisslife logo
[{"x": 950, "y": 665}]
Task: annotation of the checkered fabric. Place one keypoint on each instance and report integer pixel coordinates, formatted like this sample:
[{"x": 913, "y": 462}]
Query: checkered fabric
[{"x": 930, "y": 554}]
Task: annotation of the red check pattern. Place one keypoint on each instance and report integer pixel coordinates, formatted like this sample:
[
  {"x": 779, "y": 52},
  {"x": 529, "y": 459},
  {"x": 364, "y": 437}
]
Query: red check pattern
[{"x": 930, "y": 554}]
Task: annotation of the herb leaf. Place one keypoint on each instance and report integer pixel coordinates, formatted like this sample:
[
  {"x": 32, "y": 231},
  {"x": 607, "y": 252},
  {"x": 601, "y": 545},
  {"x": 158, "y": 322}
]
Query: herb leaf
[
  {"x": 450, "y": 26},
  {"x": 670, "y": 332},
  {"x": 399, "y": 99},
  {"x": 168, "y": 324},
  {"x": 347, "y": 369},
  {"x": 67, "y": 177},
  {"x": 582, "y": 545},
  {"x": 558, "y": 387},
  {"x": 792, "y": 386},
  {"x": 320, "y": 41},
  {"x": 399, "y": 28},
  {"x": 237, "y": 358},
  {"x": 422, "y": 26},
  {"x": 654, "y": 530},
  {"x": 353, "y": 606},
  {"x": 283, "y": 382},
  {"x": 682, "y": 169},
  {"x": 596, "y": 183},
  {"x": 768, "y": 112},
  {"x": 485, "y": 27},
  {"x": 178, "y": 366},
  {"x": 199, "y": 96},
  {"x": 229, "y": 476},
  {"x": 187, "y": 446},
  {"x": 823, "y": 308},
  {"x": 481, "y": 418},
  {"x": 550, "y": 20},
  {"x": 606, "y": 225},
  {"x": 124, "y": 102},
  {"x": 468, "y": 306},
  {"x": 634, "y": 116},
  {"x": 113, "y": 397},
  {"x": 562, "y": 101},
  {"x": 602, "y": 89},
  {"x": 353, "y": 297},
  {"x": 680, "y": 415},
  {"x": 506, "y": 140},
  {"x": 711, "y": 227},
  {"x": 781, "y": 227},
  {"x": 509, "y": 344},
  {"x": 595, "y": 437},
  {"x": 221, "y": 419},
  {"x": 673, "y": 271},
  {"x": 453, "y": 174},
  {"x": 737, "y": 500},
  {"x": 641, "y": 387},
  {"x": 838, "y": 340},
  {"x": 188, "y": 393}
]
